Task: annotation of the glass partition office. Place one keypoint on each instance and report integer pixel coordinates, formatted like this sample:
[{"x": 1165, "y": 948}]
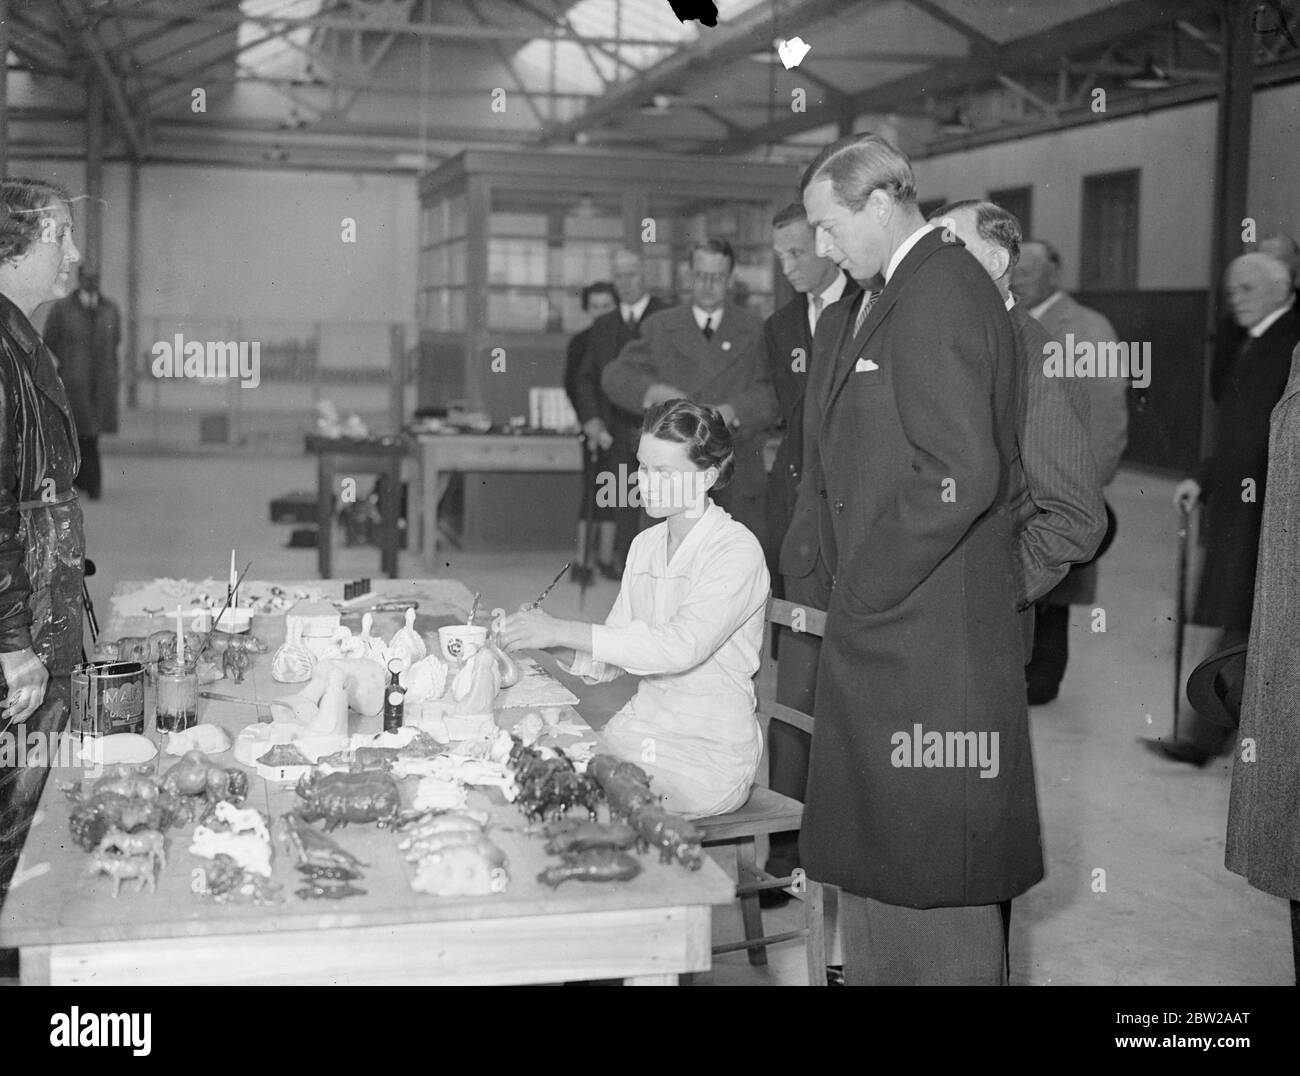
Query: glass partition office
[{"x": 508, "y": 241}]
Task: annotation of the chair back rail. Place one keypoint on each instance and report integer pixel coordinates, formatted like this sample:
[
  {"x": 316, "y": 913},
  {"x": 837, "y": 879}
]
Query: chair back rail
[{"x": 785, "y": 613}]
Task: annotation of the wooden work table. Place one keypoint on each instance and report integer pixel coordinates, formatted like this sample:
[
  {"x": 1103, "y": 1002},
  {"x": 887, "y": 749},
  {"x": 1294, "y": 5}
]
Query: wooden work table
[
  {"x": 440, "y": 455},
  {"x": 70, "y": 929}
]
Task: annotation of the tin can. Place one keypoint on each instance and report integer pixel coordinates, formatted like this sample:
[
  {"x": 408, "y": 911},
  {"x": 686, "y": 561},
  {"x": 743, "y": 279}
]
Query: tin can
[{"x": 107, "y": 697}]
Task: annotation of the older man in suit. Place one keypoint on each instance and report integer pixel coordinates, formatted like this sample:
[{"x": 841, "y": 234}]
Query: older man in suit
[
  {"x": 921, "y": 804},
  {"x": 819, "y": 285},
  {"x": 1036, "y": 283},
  {"x": 1059, "y": 509},
  {"x": 1245, "y": 386},
  {"x": 711, "y": 353},
  {"x": 613, "y": 429}
]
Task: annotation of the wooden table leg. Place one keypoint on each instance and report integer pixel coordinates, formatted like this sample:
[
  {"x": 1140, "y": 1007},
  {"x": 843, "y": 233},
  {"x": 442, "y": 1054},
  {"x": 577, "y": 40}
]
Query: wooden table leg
[
  {"x": 390, "y": 504},
  {"x": 429, "y": 507},
  {"x": 324, "y": 513}
]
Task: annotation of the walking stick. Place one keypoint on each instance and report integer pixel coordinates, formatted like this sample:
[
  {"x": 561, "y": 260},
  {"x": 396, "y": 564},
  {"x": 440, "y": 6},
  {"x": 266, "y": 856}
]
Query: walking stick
[{"x": 1180, "y": 612}]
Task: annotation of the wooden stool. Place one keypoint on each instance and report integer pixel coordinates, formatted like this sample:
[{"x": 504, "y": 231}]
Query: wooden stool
[{"x": 349, "y": 458}]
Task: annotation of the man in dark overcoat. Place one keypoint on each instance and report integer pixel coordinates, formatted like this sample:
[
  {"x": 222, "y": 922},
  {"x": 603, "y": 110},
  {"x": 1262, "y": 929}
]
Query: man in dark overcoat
[
  {"x": 921, "y": 801},
  {"x": 708, "y": 351},
  {"x": 83, "y": 332},
  {"x": 820, "y": 286},
  {"x": 613, "y": 428}
]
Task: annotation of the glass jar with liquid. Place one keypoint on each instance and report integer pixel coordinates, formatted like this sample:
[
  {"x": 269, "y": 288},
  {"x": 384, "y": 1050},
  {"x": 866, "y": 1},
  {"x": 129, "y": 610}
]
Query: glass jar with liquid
[{"x": 176, "y": 698}]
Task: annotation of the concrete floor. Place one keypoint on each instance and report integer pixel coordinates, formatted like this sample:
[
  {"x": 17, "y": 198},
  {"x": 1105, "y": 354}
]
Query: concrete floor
[{"x": 1165, "y": 911}]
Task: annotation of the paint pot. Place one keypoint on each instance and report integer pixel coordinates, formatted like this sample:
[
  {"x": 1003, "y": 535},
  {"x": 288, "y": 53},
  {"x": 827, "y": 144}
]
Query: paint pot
[
  {"x": 177, "y": 697},
  {"x": 107, "y": 698}
]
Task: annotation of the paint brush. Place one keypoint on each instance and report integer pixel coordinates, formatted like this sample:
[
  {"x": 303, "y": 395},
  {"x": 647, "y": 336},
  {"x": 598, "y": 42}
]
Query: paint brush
[
  {"x": 536, "y": 603},
  {"x": 208, "y": 638}
]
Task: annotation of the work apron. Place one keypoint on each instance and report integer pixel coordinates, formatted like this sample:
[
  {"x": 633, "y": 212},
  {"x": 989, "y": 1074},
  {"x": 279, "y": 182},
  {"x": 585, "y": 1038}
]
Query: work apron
[{"x": 54, "y": 540}]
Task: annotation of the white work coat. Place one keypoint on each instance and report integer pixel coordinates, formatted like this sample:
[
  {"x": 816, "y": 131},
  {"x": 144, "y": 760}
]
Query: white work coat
[{"x": 692, "y": 628}]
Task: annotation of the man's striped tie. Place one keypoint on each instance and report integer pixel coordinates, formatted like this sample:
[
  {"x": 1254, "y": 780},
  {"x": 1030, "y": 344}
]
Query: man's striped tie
[{"x": 864, "y": 308}]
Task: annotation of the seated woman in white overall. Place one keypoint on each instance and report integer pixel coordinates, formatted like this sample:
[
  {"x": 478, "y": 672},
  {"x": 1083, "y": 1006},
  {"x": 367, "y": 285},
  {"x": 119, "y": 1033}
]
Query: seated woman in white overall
[{"x": 688, "y": 619}]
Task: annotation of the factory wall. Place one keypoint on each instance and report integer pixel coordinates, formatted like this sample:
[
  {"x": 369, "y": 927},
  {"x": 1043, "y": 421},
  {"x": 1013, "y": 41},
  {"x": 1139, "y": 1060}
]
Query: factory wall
[{"x": 217, "y": 242}]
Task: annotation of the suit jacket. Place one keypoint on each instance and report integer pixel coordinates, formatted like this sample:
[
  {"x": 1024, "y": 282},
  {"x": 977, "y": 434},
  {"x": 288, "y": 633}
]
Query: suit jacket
[
  {"x": 605, "y": 339},
  {"x": 85, "y": 343},
  {"x": 1266, "y": 786},
  {"x": 801, "y": 547},
  {"x": 730, "y": 368},
  {"x": 1107, "y": 397},
  {"x": 922, "y": 637},
  {"x": 1107, "y": 425},
  {"x": 788, "y": 343},
  {"x": 1059, "y": 511},
  {"x": 1253, "y": 380}
]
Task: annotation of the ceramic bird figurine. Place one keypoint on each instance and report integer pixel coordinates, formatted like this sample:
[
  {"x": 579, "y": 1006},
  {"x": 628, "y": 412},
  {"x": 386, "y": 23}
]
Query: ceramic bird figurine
[
  {"x": 371, "y": 646},
  {"x": 407, "y": 644}
]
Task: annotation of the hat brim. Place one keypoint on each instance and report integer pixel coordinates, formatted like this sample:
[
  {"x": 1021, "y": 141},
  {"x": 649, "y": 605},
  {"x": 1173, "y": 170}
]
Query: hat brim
[{"x": 1216, "y": 684}]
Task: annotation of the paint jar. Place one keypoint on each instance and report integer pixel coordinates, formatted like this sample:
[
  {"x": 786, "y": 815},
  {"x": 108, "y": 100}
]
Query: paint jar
[
  {"x": 107, "y": 697},
  {"x": 176, "y": 700}
]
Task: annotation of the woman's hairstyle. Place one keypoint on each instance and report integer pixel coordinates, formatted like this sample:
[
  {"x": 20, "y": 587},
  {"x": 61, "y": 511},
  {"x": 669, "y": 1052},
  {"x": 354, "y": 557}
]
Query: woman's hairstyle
[
  {"x": 22, "y": 206},
  {"x": 595, "y": 289},
  {"x": 701, "y": 429}
]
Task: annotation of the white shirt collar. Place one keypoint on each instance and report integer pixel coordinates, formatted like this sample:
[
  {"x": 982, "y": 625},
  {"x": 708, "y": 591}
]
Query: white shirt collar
[
  {"x": 832, "y": 292},
  {"x": 1010, "y": 302},
  {"x": 1040, "y": 309},
  {"x": 903, "y": 247},
  {"x": 829, "y": 294},
  {"x": 701, "y": 316},
  {"x": 1264, "y": 324},
  {"x": 636, "y": 309}
]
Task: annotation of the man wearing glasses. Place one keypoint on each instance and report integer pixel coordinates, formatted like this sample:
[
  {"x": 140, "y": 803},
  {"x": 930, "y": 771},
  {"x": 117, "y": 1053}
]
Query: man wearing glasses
[{"x": 709, "y": 352}]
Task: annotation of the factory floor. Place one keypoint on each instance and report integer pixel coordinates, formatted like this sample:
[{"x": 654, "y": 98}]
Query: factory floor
[{"x": 1135, "y": 892}]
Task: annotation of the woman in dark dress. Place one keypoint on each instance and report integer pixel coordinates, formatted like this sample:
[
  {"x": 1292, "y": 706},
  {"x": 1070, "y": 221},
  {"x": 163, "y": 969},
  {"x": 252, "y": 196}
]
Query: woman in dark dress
[
  {"x": 597, "y": 299},
  {"x": 42, "y": 543}
]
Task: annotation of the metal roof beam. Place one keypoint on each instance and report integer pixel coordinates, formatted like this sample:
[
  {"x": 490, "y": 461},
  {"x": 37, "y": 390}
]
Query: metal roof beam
[
  {"x": 162, "y": 95},
  {"x": 437, "y": 31},
  {"x": 504, "y": 59},
  {"x": 1275, "y": 74},
  {"x": 1088, "y": 31},
  {"x": 752, "y": 31},
  {"x": 123, "y": 114},
  {"x": 981, "y": 43},
  {"x": 1025, "y": 94}
]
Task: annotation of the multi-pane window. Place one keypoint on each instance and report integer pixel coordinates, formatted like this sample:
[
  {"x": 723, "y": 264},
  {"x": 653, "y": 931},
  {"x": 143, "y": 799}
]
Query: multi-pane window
[{"x": 1110, "y": 231}]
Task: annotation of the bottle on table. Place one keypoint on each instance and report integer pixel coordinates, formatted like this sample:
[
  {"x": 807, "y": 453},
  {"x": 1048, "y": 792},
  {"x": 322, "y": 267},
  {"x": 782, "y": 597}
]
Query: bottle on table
[{"x": 394, "y": 697}]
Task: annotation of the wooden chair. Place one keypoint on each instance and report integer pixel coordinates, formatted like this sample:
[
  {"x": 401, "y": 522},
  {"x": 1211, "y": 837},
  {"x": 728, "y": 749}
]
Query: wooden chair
[{"x": 767, "y": 812}]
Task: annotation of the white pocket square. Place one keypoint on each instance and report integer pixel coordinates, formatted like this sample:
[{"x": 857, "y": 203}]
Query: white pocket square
[{"x": 864, "y": 366}]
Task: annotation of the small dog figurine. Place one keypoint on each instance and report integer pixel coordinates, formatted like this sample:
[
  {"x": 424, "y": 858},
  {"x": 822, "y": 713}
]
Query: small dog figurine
[{"x": 237, "y": 660}]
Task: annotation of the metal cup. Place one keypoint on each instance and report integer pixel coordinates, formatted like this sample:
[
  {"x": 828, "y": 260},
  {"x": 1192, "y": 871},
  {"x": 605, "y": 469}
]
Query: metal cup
[{"x": 107, "y": 697}]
